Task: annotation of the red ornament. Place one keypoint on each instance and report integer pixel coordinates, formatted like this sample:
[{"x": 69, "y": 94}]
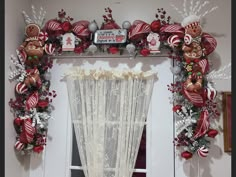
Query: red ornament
[
  {"x": 212, "y": 133},
  {"x": 18, "y": 121},
  {"x": 145, "y": 52},
  {"x": 66, "y": 26},
  {"x": 79, "y": 49},
  {"x": 176, "y": 107},
  {"x": 187, "y": 155},
  {"x": 43, "y": 103},
  {"x": 156, "y": 26},
  {"x": 38, "y": 149},
  {"x": 113, "y": 50}
]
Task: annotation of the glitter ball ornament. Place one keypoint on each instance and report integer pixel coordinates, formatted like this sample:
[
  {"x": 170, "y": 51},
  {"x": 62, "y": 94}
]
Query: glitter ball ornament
[
  {"x": 93, "y": 26},
  {"x": 126, "y": 25}
]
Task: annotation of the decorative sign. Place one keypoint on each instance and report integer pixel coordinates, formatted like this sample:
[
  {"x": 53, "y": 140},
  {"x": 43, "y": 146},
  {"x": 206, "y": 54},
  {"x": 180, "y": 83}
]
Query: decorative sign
[
  {"x": 153, "y": 42},
  {"x": 68, "y": 42},
  {"x": 114, "y": 36}
]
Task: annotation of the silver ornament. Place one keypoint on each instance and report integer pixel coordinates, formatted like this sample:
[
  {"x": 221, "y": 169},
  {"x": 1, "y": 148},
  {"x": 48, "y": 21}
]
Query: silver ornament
[
  {"x": 175, "y": 70},
  {"x": 92, "y": 48},
  {"x": 126, "y": 25},
  {"x": 130, "y": 48},
  {"x": 93, "y": 26}
]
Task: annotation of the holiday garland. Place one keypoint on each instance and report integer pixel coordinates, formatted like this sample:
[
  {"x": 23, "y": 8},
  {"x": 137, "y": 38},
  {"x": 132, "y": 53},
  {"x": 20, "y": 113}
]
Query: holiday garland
[{"x": 193, "y": 95}]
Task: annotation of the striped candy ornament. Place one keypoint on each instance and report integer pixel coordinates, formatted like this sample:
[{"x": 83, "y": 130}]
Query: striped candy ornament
[
  {"x": 173, "y": 41},
  {"x": 202, "y": 151},
  {"x": 139, "y": 27},
  {"x": 19, "y": 145},
  {"x": 80, "y": 28},
  {"x": 49, "y": 49},
  {"x": 21, "y": 88},
  {"x": 32, "y": 100},
  {"x": 188, "y": 39},
  {"x": 53, "y": 25},
  {"x": 43, "y": 36}
]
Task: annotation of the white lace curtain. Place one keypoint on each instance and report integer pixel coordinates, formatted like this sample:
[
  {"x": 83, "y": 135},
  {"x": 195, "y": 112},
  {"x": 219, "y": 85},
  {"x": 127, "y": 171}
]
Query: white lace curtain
[{"x": 108, "y": 111}]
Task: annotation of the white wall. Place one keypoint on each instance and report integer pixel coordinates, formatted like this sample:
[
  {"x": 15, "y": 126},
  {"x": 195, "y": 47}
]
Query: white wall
[
  {"x": 14, "y": 34},
  {"x": 217, "y": 23}
]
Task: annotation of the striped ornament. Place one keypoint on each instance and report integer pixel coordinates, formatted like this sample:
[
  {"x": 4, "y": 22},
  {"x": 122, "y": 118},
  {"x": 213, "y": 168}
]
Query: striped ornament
[
  {"x": 202, "y": 151},
  {"x": 43, "y": 36},
  {"x": 53, "y": 25},
  {"x": 21, "y": 88},
  {"x": 80, "y": 28},
  {"x": 32, "y": 100},
  {"x": 173, "y": 41},
  {"x": 139, "y": 27},
  {"x": 49, "y": 49},
  {"x": 188, "y": 39},
  {"x": 19, "y": 145}
]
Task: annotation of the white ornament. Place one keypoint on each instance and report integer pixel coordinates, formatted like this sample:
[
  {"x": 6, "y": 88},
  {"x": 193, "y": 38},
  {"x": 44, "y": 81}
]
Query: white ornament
[
  {"x": 93, "y": 26},
  {"x": 130, "y": 48},
  {"x": 126, "y": 25},
  {"x": 92, "y": 48}
]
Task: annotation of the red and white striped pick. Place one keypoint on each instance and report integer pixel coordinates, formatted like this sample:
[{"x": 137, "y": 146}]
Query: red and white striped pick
[
  {"x": 173, "y": 41},
  {"x": 21, "y": 88},
  {"x": 202, "y": 124},
  {"x": 139, "y": 27},
  {"x": 32, "y": 100},
  {"x": 19, "y": 145},
  {"x": 49, "y": 49},
  {"x": 43, "y": 36},
  {"x": 53, "y": 25},
  {"x": 80, "y": 28},
  {"x": 202, "y": 151},
  {"x": 210, "y": 92},
  {"x": 28, "y": 131},
  {"x": 188, "y": 39},
  {"x": 204, "y": 65},
  {"x": 23, "y": 55}
]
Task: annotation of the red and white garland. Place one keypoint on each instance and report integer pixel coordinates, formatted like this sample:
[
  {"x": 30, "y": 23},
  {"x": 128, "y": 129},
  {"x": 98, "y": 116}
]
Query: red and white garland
[{"x": 193, "y": 110}]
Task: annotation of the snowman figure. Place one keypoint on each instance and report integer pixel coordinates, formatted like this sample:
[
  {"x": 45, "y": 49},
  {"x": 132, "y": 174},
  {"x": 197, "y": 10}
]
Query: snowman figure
[{"x": 153, "y": 42}]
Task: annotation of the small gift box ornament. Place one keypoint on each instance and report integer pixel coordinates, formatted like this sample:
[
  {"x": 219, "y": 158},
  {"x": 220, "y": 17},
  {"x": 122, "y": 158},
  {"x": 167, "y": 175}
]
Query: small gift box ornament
[
  {"x": 153, "y": 42},
  {"x": 68, "y": 42}
]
